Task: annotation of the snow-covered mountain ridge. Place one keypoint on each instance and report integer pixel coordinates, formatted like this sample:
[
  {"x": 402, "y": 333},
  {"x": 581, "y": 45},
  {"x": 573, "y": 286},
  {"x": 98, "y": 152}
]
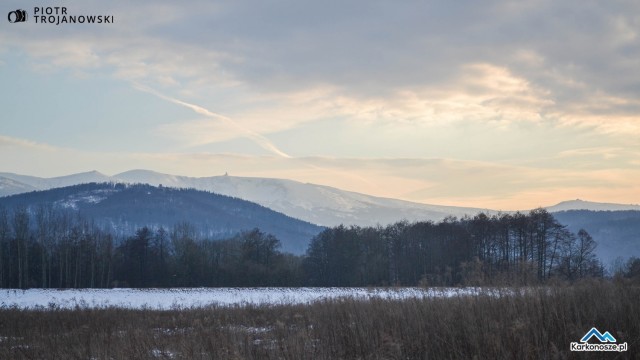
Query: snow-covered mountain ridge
[{"x": 322, "y": 205}]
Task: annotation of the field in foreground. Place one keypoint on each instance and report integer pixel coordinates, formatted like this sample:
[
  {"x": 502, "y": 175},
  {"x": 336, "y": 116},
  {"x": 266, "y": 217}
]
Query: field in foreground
[{"x": 534, "y": 324}]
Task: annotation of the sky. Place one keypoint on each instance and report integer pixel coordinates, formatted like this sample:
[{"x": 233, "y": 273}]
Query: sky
[{"x": 494, "y": 104}]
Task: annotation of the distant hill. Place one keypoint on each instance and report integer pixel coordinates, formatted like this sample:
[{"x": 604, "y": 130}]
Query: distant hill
[
  {"x": 617, "y": 232},
  {"x": 124, "y": 208},
  {"x": 23, "y": 183},
  {"x": 318, "y": 204},
  {"x": 589, "y": 205},
  {"x": 11, "y": 187}
]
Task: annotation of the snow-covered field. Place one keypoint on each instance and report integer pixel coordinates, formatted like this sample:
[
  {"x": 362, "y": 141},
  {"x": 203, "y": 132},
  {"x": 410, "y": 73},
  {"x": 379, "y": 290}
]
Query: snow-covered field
[{"x": 199, "y": 297}]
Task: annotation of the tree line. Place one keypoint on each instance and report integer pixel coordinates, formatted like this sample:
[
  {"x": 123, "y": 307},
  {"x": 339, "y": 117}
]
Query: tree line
[
  {"x": 52, "y": 248},
  {"x": 501, "y": 249}
]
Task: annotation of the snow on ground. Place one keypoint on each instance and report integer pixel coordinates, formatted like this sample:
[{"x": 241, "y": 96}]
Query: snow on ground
[{"x": 199, "y": 297}]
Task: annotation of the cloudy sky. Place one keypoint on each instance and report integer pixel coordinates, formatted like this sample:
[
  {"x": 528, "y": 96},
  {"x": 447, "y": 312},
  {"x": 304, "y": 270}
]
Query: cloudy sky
[{"x": 495, "y": 104}]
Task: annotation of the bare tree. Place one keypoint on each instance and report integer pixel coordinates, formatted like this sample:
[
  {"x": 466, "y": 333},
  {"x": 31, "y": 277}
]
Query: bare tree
[{"x": 21, "y": 231}]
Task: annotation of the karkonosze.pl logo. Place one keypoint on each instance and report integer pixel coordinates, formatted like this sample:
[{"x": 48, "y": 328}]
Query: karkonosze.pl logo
[
  {"x": 57, "y": 15},
  {"x": 607, "y": 342}
]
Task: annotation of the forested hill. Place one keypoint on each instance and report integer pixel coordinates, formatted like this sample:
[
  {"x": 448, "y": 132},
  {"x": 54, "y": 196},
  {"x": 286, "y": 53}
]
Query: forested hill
[
  {"x": 617, "y": 232},
  {"x": 125, "y": 208}
]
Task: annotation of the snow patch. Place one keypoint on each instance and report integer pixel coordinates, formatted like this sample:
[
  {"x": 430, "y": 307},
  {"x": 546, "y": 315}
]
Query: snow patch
[
  {"x": 179, "y": 298},
  {"x": 87, "y": 197}
]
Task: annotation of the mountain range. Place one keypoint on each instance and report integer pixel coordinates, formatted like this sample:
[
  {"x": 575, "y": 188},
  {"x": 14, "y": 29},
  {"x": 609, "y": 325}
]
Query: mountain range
[
  {"x": 616, "y": 227},
  {"x": 317, "y": 204}
]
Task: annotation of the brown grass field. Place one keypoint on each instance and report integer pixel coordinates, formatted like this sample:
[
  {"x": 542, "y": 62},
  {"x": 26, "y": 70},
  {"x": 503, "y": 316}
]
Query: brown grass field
[{"x": 533, "y": 324}]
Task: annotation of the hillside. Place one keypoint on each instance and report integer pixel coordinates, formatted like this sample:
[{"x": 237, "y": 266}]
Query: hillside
[
  {"x": 323, "y": 205},
  {"x": 124, "y": 208},
  {"x": 590, "y": 205},
  {"x": 317, "y": 204},
  {"x": 617, "y": 232}
]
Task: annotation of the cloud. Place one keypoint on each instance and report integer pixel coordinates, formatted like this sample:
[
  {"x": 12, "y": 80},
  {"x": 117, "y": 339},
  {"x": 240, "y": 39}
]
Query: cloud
[
  {"x": 10, "y": 142},
  {"x": 526, "y": 78},
  {"x": 372, "y": 59},
  {"x": 22, "y": 156},
  {"x": 481, "y": 93}
]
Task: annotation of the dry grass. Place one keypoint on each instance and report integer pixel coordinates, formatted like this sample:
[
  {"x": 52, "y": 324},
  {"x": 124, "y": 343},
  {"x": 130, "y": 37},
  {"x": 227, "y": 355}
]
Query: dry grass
[{"x": 536, "y": 324}]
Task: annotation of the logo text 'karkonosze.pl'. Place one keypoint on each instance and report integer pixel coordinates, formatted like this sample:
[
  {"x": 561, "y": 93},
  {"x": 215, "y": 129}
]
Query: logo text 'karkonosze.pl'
[{"x": 606, "y": 342}]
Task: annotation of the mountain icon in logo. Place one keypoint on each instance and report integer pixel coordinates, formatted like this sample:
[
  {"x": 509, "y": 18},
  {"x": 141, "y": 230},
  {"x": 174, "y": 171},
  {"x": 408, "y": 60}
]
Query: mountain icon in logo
[{"x": 606, "y": 337}]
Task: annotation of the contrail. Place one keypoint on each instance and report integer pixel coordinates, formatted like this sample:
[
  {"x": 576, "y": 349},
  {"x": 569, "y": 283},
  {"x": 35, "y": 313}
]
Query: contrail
[
  {"x": 252, "y": 135},
  {"x": 256, "y": 137}
]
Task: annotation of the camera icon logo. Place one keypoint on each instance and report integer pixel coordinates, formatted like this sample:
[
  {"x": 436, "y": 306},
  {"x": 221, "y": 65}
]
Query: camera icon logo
[{"x": 17, "y": 16}]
